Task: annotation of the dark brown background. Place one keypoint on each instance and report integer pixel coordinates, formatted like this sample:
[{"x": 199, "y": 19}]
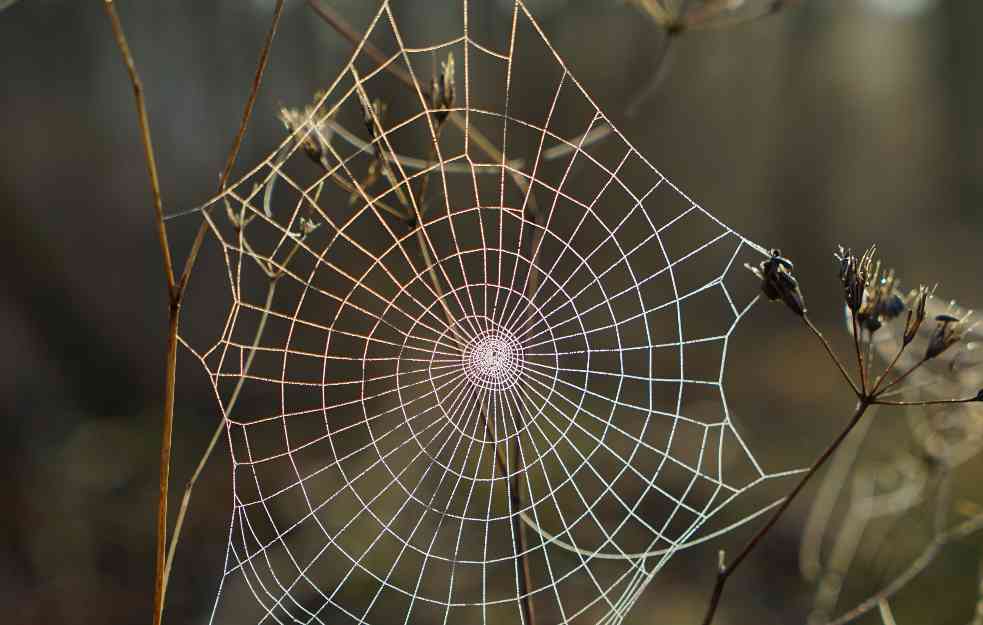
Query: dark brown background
[{"x": 836, "y": 122}]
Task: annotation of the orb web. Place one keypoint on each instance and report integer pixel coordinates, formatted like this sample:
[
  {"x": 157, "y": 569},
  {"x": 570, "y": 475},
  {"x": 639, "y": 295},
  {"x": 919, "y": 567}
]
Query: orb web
[{"x": 475, "y": 354}]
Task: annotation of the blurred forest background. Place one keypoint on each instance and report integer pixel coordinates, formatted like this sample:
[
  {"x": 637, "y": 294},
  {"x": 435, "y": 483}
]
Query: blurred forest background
[{"x": 836, "y": 121}]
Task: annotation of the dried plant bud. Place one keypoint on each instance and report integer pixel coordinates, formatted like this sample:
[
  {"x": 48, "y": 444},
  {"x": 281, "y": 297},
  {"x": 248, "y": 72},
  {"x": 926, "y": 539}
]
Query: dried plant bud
[
  {"x": 443, "y": 90},
  {"x": 917, "y": 301},
  {"x": 856, "y": 274},
  {"x": 950, "y": 330},
  {"x": 882, "y": 300},
  {"x": 313, "y": 135},
  {"x": 778, "y": 283}
]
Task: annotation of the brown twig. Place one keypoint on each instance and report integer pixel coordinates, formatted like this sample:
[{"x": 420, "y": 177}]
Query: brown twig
[
  {"x": 829, "y": 350},
  {"x": 726, "y": 570},
  {"x": 883, "y": 376},
  {"x": 904, "y": 375},
  {"x": 174, "y": 307},
  {"x": 355, "y": 38},
  {"x": 175, "y": 288},
  {"x": 859, "y": 350},
  {"x": 210, "y": 448},
  {"x": 927, "y": 402},
  {"x": 247, "y": 112},
  {"x": 148, "y": 146}
]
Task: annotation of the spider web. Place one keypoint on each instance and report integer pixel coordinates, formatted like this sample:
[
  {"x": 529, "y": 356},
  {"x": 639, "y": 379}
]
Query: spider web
[{"x": 470, "y": 360}]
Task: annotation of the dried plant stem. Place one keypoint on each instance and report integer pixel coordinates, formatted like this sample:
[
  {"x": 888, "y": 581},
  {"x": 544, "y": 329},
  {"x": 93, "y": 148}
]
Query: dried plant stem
[
  {"x": 247, "y": 112},
  {"x": 823, "y": 505},
  {"x": 922, "y": 562},
  {"x": 193, "y": 480},
  {"x": 174, "y": 308},
  {"x": 148, "y": 146},
  {"x": 829, "y": 350},
  {"x": 725, "y": 571},
  {"x": 880, "y": 379},
  {"x": 176, "y": 288},
  {"x": 170, "y": 384},
  {"x": 344, "y": 29},
  {"x": 904, "y": 375},
  {"x": 927, "y": 402},
  {"x": 519, "y": 529},
  {"x": 859, "y": 350}
]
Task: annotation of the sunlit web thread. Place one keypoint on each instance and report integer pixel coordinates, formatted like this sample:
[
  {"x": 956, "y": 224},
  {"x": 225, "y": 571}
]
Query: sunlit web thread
[{"x": 526, "y": 317}]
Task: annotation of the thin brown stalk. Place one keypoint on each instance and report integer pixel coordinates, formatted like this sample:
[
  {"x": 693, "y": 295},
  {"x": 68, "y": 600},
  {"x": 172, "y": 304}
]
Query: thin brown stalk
[
  {"x": 859, "y": 350},
  {"x": 174, "y": 309},
  {"x": 829, "y": 350},
  {"x": 175, "y": 287},
  {"x": 193, "y": 480},
  {"x": 927, "y": 402},
  {"x": 726, "y": 571},
  {"x": 148, "y": 146},
  {"x": 880, "y": 379},
  {"x": 247, "y": 113},
  {"x": 274, "y": 276},
  {"x": 519, "y": 528},
  {"x": 903, "y": 376},
  {"x": 823, "y": 504},
  {"x": 167, "y": 431},
  {"x": 343, "y": 28}
]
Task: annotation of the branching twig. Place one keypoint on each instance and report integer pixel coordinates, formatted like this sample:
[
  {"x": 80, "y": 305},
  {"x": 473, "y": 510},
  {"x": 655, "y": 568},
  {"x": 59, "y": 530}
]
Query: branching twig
[
  {"x": 174, "y": 309},
  {"x": 247, "y": 112},
  {"x": 193, "y": 480},
  {"x": 148, "y": 146},
  {"x": 175, "y": 287}
]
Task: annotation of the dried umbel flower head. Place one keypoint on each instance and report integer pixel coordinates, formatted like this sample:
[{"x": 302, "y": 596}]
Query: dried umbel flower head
[
  {"x": 778, "y": 283},
  {"x": 951, "y": 327}
]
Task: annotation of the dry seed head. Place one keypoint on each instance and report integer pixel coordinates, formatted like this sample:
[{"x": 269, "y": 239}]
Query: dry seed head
[
  {"x": 855, "y": 274},
  {"x": 882, "y": 300},
  {"x": 952, "y": 327},
  {"x": 778, "y": 283},
  {"x": 312, "y": 134},
  {"x": 917, "y": 300},
  {"x": 443, "y": 90}
]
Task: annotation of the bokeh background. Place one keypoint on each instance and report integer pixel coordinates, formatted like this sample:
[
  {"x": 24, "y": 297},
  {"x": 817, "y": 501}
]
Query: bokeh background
[{"x": 835, "y": 121}]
